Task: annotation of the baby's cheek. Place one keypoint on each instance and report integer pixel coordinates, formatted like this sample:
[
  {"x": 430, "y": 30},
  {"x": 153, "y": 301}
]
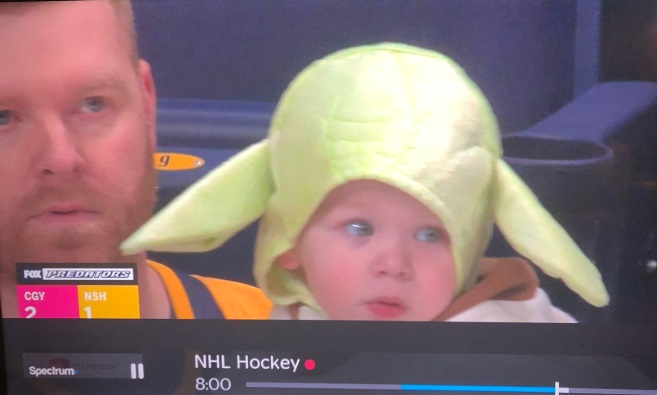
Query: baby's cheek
[
  {"x": 333, "y": 282},
  {"x": 445, "y": 269},
  {"x": 437, "y": 286}
]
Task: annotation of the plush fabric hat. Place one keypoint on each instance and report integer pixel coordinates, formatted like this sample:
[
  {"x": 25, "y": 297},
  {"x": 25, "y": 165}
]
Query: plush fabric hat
[{"x": 398, "y": 114}]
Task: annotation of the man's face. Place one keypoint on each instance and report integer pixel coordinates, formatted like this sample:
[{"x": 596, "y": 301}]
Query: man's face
[
  {"x": 372, "y": 252},
  {"x": 76, "y": 134}
]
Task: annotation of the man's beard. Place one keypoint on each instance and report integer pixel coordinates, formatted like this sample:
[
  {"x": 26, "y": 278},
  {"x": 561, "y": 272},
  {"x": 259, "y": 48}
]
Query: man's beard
[{"x": 94, "y": 242}]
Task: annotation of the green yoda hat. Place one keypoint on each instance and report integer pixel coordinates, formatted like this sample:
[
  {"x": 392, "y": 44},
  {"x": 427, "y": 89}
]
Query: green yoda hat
[{"x": 402, "y": 115}]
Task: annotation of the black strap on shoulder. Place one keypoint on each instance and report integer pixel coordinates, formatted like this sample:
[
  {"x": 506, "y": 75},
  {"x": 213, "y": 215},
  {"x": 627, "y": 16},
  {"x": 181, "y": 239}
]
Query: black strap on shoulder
[{"x": 200, "y": 299}]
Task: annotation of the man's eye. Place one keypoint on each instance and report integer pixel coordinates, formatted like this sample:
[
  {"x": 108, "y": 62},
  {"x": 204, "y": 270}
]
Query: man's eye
[
  {"x": 428, "y": 235},
  {"x": 93, "y": 104},
  {"x": 359, "y": 228},
  {"x": 5, "y": 117}
]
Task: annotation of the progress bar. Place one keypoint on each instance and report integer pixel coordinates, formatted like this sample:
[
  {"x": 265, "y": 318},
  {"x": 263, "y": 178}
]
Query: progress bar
[{"x": 454, "y": 388}]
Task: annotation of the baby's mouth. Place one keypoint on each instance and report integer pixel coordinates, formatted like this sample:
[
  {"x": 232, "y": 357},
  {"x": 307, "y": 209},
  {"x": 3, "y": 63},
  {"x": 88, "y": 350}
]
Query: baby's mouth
[{"x": 386, "y": 307}]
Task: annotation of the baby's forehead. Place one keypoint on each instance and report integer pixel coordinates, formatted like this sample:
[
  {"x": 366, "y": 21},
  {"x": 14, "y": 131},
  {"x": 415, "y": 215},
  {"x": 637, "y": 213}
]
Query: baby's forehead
[{"x": 373, "y": 196}]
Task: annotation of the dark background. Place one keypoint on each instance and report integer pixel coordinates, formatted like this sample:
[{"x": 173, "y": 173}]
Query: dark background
[{"x": 521, "y": 53}]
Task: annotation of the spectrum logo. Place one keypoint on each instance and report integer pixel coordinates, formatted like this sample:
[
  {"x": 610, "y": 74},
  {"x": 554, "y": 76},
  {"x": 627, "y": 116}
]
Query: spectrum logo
[
  {"x": 51, "y": 372},
  {"x": 57, "y": 367}
]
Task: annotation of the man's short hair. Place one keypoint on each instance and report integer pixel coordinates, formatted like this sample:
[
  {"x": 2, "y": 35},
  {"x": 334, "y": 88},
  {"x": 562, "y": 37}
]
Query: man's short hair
[
  {"x": 126, "y": 18},
  {"x": 124, "y": 13}
]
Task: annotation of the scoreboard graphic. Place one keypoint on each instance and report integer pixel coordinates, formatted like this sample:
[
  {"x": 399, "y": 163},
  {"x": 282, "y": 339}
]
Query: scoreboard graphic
[{"x": 77, "y": 290}]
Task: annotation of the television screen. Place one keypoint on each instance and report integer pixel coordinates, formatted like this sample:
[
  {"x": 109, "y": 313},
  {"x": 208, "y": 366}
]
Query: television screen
[{"x": 304, "y": 208}]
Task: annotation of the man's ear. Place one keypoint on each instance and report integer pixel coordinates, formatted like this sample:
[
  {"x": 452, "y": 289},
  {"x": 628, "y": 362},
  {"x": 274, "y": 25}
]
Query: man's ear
[
  {"x": 289, "y": 260},
  {"x": 148, "y": 94}
]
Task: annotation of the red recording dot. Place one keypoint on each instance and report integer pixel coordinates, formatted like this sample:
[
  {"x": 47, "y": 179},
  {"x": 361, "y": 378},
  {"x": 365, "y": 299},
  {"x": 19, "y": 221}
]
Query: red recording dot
[{"x": 309, "y": 364}]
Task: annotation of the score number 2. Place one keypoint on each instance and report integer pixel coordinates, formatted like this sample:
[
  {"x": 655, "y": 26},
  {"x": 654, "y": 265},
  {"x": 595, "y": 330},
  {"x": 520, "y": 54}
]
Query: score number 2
[{"x": 31, "y": 311}]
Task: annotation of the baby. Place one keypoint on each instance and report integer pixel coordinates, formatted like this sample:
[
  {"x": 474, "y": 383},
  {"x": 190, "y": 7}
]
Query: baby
[{"x": 378, "y": 188}]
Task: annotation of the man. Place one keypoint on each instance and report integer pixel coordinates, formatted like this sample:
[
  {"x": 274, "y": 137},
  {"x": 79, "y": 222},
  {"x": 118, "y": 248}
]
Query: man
[{"x": 77, "y": 135}]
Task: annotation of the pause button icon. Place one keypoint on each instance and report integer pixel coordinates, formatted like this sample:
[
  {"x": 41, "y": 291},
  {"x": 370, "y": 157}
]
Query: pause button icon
[{"x": 137, "y": 371}]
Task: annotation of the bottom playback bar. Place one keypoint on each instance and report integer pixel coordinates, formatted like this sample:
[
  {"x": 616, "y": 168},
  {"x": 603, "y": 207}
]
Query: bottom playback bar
[
  {"x": 141, "y": 357},
  {"x": 450, "y": 388}
]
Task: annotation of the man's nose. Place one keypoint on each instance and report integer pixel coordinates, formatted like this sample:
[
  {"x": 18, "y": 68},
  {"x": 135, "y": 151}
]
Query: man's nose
[
  {"x": 58, "y": 151},
  {"x": 393, "y": 259}
]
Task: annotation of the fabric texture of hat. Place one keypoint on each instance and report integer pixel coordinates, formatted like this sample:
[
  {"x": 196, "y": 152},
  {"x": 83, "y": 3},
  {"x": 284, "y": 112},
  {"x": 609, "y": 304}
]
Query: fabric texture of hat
[{"x": 402, "y": 115}]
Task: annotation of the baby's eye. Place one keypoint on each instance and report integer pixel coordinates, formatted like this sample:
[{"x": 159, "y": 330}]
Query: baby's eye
[
  {"x": 428, "y": 235},
  {"x": 5, "y": 117},
  {"x": 93, "y": 104},
  {"x": 359, "y": 228}
]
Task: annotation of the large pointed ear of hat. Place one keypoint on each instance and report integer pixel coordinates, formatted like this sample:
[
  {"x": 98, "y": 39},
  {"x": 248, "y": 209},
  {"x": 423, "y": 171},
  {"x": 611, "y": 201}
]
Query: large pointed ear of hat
[
  {"x": 534, "y": 233},
  {"x": 213, "y": 209}
]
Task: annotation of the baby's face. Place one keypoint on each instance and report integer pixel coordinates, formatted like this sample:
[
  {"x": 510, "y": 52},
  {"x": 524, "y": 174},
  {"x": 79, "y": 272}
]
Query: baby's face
[{"x": 372, "y": 252}]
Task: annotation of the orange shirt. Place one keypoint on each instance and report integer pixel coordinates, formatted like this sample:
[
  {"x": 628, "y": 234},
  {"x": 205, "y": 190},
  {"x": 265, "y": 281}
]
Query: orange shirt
[{"x": 235, "y": 300}]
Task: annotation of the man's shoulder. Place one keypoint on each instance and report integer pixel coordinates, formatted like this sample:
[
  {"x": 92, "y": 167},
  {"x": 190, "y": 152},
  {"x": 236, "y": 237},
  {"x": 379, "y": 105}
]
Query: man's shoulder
[
  {"x": 231, "y": 288},
  {"x": 235, "y": 300}
]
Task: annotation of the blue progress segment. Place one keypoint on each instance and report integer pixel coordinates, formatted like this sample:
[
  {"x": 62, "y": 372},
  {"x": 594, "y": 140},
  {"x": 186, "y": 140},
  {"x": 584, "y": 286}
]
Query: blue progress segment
[{"x": 476, "y": 388}]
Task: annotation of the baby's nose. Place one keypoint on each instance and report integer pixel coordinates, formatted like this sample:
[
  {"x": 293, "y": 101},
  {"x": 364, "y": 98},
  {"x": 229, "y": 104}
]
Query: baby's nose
[{"x": 393, "y": 259}]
